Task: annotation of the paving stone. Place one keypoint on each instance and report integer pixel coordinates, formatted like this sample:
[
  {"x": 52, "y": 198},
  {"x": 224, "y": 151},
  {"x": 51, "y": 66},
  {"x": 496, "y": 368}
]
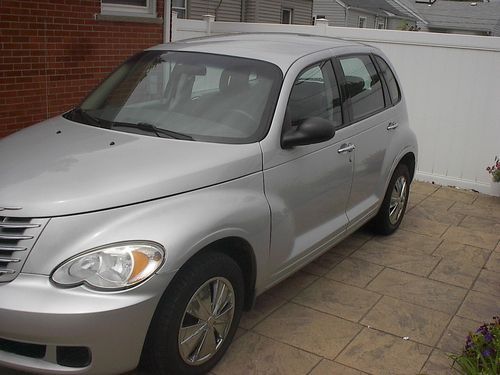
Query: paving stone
[
  {"x": 409, "y": 240},
  {"x": 256, "y": 354},
  {"x": 454, "y": 337},
  {"x": 437, "y": 203},
  {"x": 310, "y": 330},
  {"x": 436, "y": 214},
  {"x": 326, "y": 367},
  {"x": 493, "y": 263},
  {"x": 403, "y": 259},
  {"x": 480, "y": 307},
  {"x": 487, "y": 201},
  {"x": 402, "y": 319},
  {"x": 455, "y": 272},
  {"x": 472, "y": 237},
  {"x": 466, "y": 254},
  {"x": 329, "y": 259},
  {"x": 380, "y": 353},
  {"x": 266, "y": 303},
  {"x": 423, "y": 187},
  {"x": 290, "y": 287},
  {"x": 488, "y": 212},
  {"x": 481, "y": 224},
  {"x": 439, "y": 364},
  {"x": 418, "y": 290},
  {"x": 363, "y": 233},
  {"x": 488, "y": 282},
  {"x": 456, "y": 195},
  {"x": 338, "y": 299},
  {"x": 414, "y": 199},
  {"x": 354, "y": 271},
  {"x": 316, "y": 269},
  {"x": 423, "y": 226}
]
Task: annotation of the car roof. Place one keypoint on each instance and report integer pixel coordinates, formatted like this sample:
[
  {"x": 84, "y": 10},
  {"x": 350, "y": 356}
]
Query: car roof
[{"x": 279, "y": 48}]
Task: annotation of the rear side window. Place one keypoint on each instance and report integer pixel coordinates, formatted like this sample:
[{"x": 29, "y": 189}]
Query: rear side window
[
  {"x": 390, "y": 79},
  {"x": 363, "y": 85},
  {"x": 315, "y": 94}
]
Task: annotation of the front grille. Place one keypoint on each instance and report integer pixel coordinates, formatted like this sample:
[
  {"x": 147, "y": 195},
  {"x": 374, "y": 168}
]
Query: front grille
[{"x": 17, "y": 237}]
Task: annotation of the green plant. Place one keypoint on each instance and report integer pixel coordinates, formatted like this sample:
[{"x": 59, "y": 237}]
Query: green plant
[
  {"x": 494, "y": 170},
  {"x": 481, "y": 354}
]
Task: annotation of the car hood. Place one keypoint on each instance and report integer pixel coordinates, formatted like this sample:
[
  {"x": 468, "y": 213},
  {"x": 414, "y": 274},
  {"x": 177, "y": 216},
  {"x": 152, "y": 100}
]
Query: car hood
[{"x": 60, "y": 167}]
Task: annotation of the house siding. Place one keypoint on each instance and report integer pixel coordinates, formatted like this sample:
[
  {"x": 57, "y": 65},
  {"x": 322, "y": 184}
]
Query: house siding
[
  {"x": 270, "y": 11},
  {"x": 302, "y": 11},
  {"x": 333, "y": 11},
  {"x": 55, "y": 52},
  {"x": 353, "y": 19},
  {"x": 251, "y": 11},
  {"x": 230, "y": 10}
]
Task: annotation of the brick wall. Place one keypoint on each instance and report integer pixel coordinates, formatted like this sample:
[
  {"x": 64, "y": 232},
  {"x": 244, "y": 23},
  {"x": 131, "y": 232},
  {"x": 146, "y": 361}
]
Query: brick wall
[{"x": 53, "y": 52}]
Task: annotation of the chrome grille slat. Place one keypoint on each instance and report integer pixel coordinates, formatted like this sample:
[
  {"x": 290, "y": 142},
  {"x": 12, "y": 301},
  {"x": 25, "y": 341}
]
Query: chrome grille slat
[
  {"x": 14, "y": 237},
  {"x": 12, "y": 248},
  {"x": 9, "y": 260},
  {"x": 18, "y": 235},
  {"x": 18, "y": 225}
]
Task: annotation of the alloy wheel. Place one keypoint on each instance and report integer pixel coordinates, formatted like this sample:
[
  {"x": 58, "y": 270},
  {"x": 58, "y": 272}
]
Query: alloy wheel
[{"x": 206, "y": 321}]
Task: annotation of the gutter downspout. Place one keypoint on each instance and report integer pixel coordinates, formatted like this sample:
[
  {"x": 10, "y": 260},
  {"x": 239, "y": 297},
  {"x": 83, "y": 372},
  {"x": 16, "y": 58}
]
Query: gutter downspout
[
  {"x": 167, "y": 21},
  {"x": 243, "y": 10},
  {"x": 346, "y": 11}
]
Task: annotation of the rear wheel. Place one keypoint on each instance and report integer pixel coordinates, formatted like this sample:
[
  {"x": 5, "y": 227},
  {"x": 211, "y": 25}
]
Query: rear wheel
[
  {"x": 393, "y": 207},
  {"x": 197, "y": 317}
]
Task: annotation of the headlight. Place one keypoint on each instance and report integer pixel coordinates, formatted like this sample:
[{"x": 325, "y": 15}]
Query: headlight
[{"x": 114, "y": 266}]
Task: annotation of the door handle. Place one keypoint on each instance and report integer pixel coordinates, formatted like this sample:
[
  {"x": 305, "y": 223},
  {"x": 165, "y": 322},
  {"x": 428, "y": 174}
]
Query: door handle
[
  {"x": 392, "y": 125},
  {"x": 346, "y": 147}
]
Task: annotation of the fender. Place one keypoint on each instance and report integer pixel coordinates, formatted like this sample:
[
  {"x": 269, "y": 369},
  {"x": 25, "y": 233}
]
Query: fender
[{"x": 183, "y": 224}]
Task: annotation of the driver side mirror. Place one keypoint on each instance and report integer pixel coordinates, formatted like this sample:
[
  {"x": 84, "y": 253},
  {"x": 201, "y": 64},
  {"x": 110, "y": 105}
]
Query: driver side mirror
[{"x": 310, "y": 131}]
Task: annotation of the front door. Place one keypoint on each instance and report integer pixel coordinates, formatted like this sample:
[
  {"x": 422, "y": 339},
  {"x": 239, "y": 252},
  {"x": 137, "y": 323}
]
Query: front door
[{"x": 308, "y": 192}]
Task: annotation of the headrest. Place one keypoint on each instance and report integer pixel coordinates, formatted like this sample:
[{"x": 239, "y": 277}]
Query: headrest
[
  {"x": 234, "y": 79},
  {"x": 355, "y": 85}
]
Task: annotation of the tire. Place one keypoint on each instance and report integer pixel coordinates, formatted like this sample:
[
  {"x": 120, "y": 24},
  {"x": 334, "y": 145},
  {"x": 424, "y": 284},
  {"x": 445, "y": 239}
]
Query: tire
[
  {"x": 385, "y": 223},
  {"x": 162, "y": 352}
]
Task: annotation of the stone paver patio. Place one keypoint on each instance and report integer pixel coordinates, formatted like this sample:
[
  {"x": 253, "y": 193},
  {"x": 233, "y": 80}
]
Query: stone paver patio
[{"x": 434, "y": 280}]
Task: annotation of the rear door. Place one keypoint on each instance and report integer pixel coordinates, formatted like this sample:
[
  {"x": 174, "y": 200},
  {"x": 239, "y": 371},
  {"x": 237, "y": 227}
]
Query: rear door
[{"x": 368, "y": 126}]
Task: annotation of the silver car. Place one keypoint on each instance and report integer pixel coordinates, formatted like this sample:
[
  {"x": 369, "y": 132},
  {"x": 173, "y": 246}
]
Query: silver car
[{"x": 138, "y": 226}]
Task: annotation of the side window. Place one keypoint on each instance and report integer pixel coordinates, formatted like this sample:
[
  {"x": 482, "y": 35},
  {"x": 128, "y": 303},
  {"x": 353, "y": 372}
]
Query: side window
[
  {"x": 390, "y": 79},
  {"x": 363, "y": 85},
  {"x": 315, "y": 94}
]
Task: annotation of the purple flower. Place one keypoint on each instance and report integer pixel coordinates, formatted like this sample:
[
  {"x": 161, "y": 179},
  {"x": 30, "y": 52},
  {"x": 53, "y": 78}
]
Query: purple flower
[
  {"x": 488, "y": 337},
  {"x": 487, "y": 353}
]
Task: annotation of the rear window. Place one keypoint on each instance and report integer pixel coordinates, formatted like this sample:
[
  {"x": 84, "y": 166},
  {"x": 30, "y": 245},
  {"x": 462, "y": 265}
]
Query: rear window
[
  {"x": 363, "y": 85},
  {"x": 390, "y": 79}
]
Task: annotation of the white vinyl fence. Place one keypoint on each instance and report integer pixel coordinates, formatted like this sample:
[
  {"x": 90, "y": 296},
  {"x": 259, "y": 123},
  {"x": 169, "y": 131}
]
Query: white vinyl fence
[{"x": 452, "y": 86}]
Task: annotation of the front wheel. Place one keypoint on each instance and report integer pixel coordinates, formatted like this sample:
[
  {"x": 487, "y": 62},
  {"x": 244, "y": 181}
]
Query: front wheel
[
  {"x": 197, "y": 317},
  {"x": 393, "y": 207}
]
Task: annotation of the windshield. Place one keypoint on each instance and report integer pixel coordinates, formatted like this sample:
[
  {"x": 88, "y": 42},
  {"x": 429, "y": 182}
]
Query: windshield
[{"x": 186, "y": 95}]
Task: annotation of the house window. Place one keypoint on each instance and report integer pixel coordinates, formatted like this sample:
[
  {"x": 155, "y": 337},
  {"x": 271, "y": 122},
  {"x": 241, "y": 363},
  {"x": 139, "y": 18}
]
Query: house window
[
  {"x": 381, "y": 25},
  {"x": 180, "y": 7},
  {"x": 287, "y": 16},
  {"x": 362, "y": 22},
  {"x": 144, "y": 8}
]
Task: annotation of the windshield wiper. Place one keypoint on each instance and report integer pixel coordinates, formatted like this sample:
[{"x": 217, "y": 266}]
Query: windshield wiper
[
  {"x": 85, "y": 116},
  {"x": 150, "y": 128}
]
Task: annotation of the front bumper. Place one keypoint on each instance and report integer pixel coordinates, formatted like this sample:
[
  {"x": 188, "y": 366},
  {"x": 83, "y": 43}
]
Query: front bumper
[{"x": 112, "y": 326}]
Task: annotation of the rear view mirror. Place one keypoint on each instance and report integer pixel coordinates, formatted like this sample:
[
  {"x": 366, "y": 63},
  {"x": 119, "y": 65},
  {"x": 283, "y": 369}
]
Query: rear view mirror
[{"x": 310, "y": 131}]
